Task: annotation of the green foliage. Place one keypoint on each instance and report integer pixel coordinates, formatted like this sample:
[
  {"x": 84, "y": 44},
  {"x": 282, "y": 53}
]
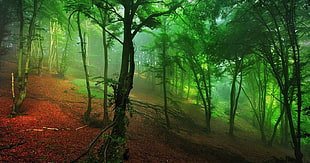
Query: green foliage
[
  {"x": 101, "y": 80},
  {"x": 118, "y": 148},
  {"x": 96, "y": 90}
]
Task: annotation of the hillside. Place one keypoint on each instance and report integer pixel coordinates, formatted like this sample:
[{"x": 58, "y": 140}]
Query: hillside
[{"x": 50, "y": 129}]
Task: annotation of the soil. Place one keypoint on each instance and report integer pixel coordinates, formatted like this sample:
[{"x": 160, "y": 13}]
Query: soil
[{"x": 50, "y": 128}]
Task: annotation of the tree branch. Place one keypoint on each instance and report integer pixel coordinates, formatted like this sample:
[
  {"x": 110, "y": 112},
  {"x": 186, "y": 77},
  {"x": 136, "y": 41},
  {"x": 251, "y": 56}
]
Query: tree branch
[
  {"x": 111, "y": 8},
  {"x": 93, "y": 142},
  {"x": 103, "y": 27},
  {"x": 139, "y": 27}
]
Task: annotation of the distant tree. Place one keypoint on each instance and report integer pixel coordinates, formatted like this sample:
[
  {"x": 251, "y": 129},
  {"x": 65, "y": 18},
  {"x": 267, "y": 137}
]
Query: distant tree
[
  {"x": 234, "y": 43},
  {"x": 102, "y": 14},
  {"x": 7, "y": 11},
  {"x": 160, "y": 46},
  {"x": 256, "y": 91}
]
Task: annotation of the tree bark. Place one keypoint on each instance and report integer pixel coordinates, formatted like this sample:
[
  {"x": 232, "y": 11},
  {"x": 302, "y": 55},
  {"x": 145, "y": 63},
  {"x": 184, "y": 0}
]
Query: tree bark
[
  {"x": 164, "y": 80},
  {"x": 105, "y": 69},
  {"x": 24, "y": 80},
  {"x": 83, "y": 51},
  {"x": 234, "y": 96}
]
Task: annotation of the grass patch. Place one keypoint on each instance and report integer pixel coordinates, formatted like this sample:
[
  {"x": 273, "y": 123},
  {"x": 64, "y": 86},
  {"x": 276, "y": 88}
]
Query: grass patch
[{"x": 96, "y": 90}]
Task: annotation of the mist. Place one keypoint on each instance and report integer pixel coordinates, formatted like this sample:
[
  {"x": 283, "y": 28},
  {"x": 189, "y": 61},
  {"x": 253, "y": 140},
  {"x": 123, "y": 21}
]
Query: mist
[{"x": 154, "y": 81}]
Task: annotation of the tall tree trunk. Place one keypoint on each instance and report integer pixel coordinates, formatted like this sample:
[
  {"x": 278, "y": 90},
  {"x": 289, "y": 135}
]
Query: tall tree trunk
[
  {"x": 21, "y": 42},
  {"x": 164, "y": 80},
  {"x": 110, "y": 148},
  {"x": 24, "y": 82},
  {"x": 106, "y": 67},
  {"x": 291, "y": 22},
  {"x": 52, "y": 48},
  {"x": 200, "y": 88},
  {"x": 82, "y": 43},
  {"x": 234, "y": 96},
  {"x": 40, "y": 63}
]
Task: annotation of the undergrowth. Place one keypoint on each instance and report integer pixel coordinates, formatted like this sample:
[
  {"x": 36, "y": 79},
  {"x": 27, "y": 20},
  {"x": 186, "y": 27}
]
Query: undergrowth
[{"x": 96, "y": 90}]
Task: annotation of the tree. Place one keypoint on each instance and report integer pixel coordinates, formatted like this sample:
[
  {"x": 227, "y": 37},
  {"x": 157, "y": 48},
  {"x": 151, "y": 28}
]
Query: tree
[
  {"x": 23, "y": 80},
  {"x": 132, "y": 24},
  {"x": 104, "y": 19},
  {"x": 79, "y": 8},
  {"x": 234, "y": 43},
  {"x": 105, "y": 13},
  {"x": 280, "y": 47},
  {"x": 83, "y": 52},
  {"x": 6, "y": 8},
  {"x": 256, "y": 92},
  {"x": 164, "y": 62}
]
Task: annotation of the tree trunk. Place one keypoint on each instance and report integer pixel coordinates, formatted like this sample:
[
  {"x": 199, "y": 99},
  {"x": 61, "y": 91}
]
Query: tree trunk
[
  {"x": 164, "y": 80},
  {"x": 24, "y": 82},
  {"x": 40, "y": 63},
  {"x": 52, "y": 48},
  {"x": 112, "y": 147},
  {"x": 105, "y": 71},
  {"x": 234, "y": 96},
  {"x": 82, "y": 43},
  {"x": 291, "y": 22},
  {"x": 21, "y": 43},
  {"x": 201, "y": 94}
]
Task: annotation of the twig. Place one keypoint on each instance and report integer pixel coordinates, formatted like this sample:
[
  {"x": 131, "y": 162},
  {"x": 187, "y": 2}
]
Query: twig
[
  {"x": 93, "y": 142},
  {"x": 34, "y": 129},
  {"x": 81, "y": 127},
  {"x": 48, "y": 128}
]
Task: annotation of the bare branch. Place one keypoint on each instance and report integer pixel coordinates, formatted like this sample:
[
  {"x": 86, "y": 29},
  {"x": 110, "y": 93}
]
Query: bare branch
[
  {"x": 93, "y": 142},
  {"x": 103, "y": 27},
  {"x": 111, "y": 8}
]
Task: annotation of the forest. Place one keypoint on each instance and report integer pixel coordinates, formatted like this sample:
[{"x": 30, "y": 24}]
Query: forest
[{"x": 155, "y": 81}]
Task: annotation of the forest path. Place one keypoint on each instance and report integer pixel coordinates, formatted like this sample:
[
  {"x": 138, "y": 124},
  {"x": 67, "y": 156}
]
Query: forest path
[{"x": 53, "y": 103}]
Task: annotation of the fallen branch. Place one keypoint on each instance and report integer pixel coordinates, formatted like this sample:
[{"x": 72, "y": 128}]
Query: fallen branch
[
  {"x": 35, "y": 129},
  {"x": 146, "y": 105},
  {"x": 11, "y": 146},
  {"x": 145, "y": 114},
  {"x": 81, "y": 127},
  {"x": 48, "y": 128},
  {"x": 93, "y": 142}
]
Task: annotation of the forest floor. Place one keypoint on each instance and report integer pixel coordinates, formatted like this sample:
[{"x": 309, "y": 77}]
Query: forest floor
[{"x": 50, "y": 129}]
